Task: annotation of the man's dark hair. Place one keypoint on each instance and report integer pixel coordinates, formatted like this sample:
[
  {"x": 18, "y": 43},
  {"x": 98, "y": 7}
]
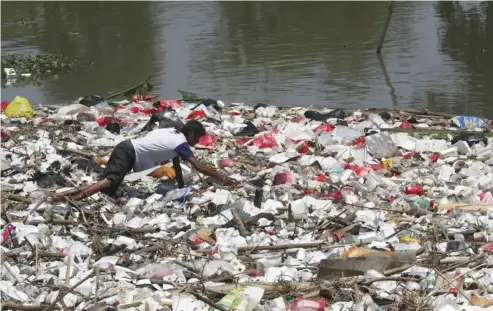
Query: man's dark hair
[{"x": 193, "y": 127}]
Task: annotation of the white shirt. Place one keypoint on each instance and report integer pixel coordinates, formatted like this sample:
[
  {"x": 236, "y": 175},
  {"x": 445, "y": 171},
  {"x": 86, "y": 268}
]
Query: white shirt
[{"x": 158, "y": 146}]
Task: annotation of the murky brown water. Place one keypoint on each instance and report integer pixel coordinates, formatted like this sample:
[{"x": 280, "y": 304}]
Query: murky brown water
[{"x": 437, "y": 55}]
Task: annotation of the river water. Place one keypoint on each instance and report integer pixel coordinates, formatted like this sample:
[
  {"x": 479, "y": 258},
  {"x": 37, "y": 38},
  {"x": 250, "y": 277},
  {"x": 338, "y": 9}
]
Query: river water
[{"x": 437, "y": 55}]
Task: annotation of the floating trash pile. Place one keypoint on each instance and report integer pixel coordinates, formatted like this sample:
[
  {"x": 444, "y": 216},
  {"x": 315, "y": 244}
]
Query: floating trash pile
[
  {"x": 335, "y": 210},
  {"x": 18, "y": 69}
]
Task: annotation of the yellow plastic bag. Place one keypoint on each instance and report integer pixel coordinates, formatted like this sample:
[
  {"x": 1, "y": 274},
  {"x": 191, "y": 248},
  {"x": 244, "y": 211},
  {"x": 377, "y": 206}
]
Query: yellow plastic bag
[
  {"x": 164, "y": 171},
  {"x": 18, "y": 108}
]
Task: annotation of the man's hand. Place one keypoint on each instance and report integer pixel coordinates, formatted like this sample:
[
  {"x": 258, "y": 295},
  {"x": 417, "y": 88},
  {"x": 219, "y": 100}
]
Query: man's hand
[{"x": 226, "y": 181}]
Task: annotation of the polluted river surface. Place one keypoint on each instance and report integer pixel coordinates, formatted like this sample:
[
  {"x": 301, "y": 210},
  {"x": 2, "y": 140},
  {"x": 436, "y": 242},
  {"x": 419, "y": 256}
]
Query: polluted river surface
[{"x": 436, "y": 55}]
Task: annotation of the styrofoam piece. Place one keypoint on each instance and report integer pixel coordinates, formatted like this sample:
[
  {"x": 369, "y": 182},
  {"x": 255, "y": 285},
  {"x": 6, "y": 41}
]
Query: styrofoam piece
[
  {"x": 445, "y": 172},
  {"x": 381, "y": 145}
]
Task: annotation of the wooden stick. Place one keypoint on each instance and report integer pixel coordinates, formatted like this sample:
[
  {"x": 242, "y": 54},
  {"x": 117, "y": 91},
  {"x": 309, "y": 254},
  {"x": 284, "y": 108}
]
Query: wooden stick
[
  {"x": 209, "y": 302},
  {"x": 277, "y": 288},
  {"x": 24, "y": 219},
  {"x": 282, "y": 246},
  {"x": 60, "y": 296},
  {"x": 241, "y": 226},
  {"x": 127, "y": 90},
  {"x": 63, "y": 222},
  {"x": 18, "y": 198},
  {"x": 21, "y": 307},
  {"x": 67, "y": 272},
  {"x": 386, "y": 26},
  {"x": 97, "y": 286},
  {"x": 482, "y": 208}
]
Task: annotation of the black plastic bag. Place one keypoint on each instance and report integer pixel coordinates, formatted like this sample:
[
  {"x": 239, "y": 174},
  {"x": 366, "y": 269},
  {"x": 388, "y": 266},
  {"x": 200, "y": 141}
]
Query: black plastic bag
[
  {"x": 385, "y": 115},
  {"x": 317, "y": 116},
  {"x": 162, "y": 121},
  {"x": 470, "y": 138},
  {"x": 48, "y": 179},
  {"x": 250, "y": 130},
  {"x": 114, "y": 128},
  {"x": 91, "y": 100}
]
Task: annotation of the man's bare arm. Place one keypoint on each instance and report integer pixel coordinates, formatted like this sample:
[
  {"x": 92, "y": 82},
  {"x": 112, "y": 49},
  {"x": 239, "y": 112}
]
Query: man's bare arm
[
  {"x": 205, "y": 170},
  {"x": 179, "y": 173}
]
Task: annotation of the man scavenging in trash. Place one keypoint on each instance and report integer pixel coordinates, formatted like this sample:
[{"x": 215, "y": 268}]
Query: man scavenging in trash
[{"x": 143, "y": 153}]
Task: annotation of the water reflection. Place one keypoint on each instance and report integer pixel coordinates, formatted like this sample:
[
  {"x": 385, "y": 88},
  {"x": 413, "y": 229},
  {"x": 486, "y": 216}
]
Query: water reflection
[
  {"x": 436, "y": 55},
  {"x": 467, "y": 36}
]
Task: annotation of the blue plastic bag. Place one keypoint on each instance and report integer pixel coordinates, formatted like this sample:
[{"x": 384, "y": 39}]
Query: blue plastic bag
[{"x": 468, "y": 122}]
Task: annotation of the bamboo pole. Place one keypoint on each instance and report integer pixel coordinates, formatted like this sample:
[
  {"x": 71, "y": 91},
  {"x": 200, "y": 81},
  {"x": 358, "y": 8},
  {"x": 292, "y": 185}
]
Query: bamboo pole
[{"x": 386, "y": 26}]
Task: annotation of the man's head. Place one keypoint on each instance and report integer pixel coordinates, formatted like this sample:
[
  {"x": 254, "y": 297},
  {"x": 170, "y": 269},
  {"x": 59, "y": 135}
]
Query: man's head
[{"x": 193, "y": 130}]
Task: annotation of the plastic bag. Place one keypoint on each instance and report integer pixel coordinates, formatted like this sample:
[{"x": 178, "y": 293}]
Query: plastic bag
[
  {"x": 414, "y": 189},
  {"x": 308, "y": 304},
  {"x": 199, "y": 236},
  {"x": 208, "y": 140},
  {"x": 304, "y": 148},
  {"x": 468, "y": 122},
  {"x": 18, "y": 108},
  {"x": 284, "y": 178},
  {"x": 326, "y": 127},
  {"x": 197, "y": 114},
  {"x": 4, "y": 104},
  {"x": 406, "y": 125},
  {"x": 164, "y": 171},
  {"x": 169, "y": 103},
  {"x": 226, "y": 163},
  {"x": 265, "y": 140}
]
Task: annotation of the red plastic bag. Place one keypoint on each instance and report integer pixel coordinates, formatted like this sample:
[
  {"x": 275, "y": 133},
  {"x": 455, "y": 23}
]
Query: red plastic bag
[
  {"x": 235, "y": 113},
  {"x": 320, "y": 177},
  {"x": 305, "y": 148},
  {"x": 141, "y": 97},
  {"x": 265, "y": 140},
  {"x": 4, "y": 104},
  {"x": 118, "y": 108},
  {"x": 171, "y": 103},
  {"x": 406, "y": 125},
  {"x": 208, "y": 140},
  {"x": 326, "y": 127},
  {"x": 47, "y": 121},
  {"x": 309, "y": 304},
  {"x": 414, "y": 189},
  {"x": 334, "y": 195},
  {"x": 103, "y": 121},
  {"x": 139, "y": 108},
  {"x": 434, "y": 157},
  {"x": 197, "y": 114},
  {"x": 284, "y": 178},
  {"x": 298, "y": 119},
  {"x": 488, "y": 248},
  {"x": 242, "y": 141},
  {"x": 359, "y": 170},
  {"x": 411, "y": 154},
  {"x": 359, "y": 142}
]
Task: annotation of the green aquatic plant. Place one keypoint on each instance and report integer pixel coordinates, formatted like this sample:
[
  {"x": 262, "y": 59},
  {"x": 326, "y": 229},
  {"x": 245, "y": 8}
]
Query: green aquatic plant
[{"x": 38, "y": 65}]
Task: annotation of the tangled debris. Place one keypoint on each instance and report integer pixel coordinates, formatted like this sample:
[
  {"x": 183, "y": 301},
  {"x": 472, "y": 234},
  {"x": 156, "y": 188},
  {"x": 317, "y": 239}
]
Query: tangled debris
[{"x": 337, "y": 210}]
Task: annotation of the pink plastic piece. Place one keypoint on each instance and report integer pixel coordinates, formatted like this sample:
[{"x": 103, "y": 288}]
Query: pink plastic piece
[
  {"x": 265, "y": 140},
  {"x": 311, "y": 304},
  {"x": 208, "y": 140},
  {"x": 226, "y": 163},
  {"x": 284, "y": 178}
]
